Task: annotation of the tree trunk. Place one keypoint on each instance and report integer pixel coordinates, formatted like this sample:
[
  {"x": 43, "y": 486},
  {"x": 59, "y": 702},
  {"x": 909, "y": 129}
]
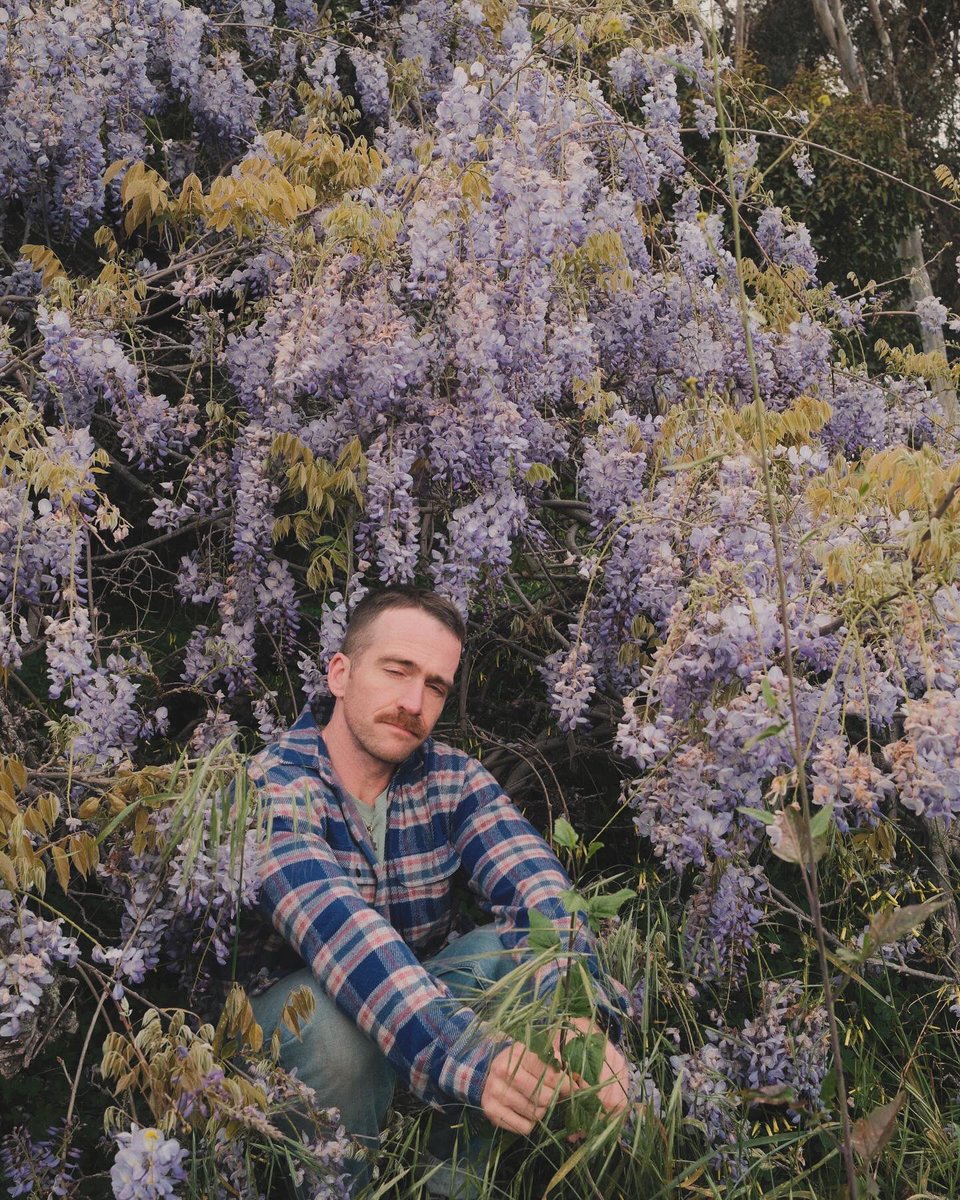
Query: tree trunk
[
  {"x": 833, "y": 23},
  {"x": 740, "y": 34},
  {"x": 914, "y": 266}
]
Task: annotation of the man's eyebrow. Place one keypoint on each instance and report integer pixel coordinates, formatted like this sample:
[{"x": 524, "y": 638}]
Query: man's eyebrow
[{"x": 411, "y": 665}]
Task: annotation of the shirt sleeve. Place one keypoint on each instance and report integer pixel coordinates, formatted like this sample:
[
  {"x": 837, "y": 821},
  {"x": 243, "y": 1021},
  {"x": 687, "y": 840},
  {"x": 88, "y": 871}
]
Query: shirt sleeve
[
  {"x": 436, "y": 1044},
  {"x": 512, "y": 870}
]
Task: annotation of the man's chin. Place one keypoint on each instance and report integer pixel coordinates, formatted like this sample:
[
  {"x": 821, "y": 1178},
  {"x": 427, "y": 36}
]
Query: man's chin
[{"x": 399, "y": 744}]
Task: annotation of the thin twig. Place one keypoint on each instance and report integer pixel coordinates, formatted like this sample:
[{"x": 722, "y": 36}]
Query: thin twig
[
  {"x": 196, "y": 523},
  {"x": 75, "y": 1087},
  {"x": 901, "y": 968}
]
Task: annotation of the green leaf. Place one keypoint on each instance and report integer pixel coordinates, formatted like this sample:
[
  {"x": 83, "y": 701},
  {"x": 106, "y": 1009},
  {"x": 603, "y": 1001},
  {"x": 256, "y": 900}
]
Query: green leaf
[
  {"x": 821, "y": 822},
  {"x": 578, "y": 995},
  {"x": 761, "y": 814},
  {"x": 583, "y": 1055},
  {"x": 599, "y": 908},
  {"x": 769, "y": 732},
  {"x": 540, "y": 1042},
  {"x": 564, "y": 834},
  {"x": 769, "y": 695},
  {"x": 543, "y": 934},
  {"x": 573, "y": 901}
]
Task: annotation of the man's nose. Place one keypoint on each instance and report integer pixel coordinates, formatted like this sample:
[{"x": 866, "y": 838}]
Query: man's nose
[{"x": 411, "y": 698}]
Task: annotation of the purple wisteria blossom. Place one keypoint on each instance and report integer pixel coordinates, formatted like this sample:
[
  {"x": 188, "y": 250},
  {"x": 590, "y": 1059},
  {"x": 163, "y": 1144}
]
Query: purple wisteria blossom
[
  {"x": 931, "y": 313},
  {"x": 846, "y": 777},
  {"x": 571, "y": 679},
  {"x": 147, "y": 1166},
  {"x": 785, "y": 1047},
  {"x": 48, "y": 1166},
  {"x": 31, "y": 947},
  {"x": 721, "y": 924},
  {"x": 925, "y": 762}
]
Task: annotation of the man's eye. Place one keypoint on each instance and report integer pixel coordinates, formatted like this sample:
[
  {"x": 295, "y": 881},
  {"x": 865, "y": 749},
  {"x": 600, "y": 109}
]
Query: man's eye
[{"x": 439, "y": 689}]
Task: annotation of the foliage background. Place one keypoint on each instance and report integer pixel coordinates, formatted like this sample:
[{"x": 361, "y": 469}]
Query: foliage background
[{"x": 524, "y": 303}]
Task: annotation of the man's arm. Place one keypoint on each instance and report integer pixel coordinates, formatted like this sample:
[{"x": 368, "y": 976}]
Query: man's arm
[{"x": 513, "y": 871}]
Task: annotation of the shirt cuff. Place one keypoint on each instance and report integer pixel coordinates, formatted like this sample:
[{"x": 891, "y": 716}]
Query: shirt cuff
[{"x": 464, "y": 1073}]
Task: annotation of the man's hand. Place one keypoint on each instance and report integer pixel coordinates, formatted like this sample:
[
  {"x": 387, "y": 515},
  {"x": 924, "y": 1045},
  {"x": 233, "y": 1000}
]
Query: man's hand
[
  {"x": 614, "y": 1081},
  {"x": 520, "y": 1088}
]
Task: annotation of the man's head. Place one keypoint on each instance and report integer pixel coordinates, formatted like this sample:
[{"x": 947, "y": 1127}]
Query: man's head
[
  {"x": 363, "y": 617},
  {"x": 394, "y": 671}
]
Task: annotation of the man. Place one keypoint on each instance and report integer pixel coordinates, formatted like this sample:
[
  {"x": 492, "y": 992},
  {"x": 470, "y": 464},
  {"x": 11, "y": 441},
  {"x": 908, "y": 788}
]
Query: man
[{"x": 369, "y": 821}]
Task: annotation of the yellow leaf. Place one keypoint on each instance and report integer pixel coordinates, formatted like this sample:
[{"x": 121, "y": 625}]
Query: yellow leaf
[
  {"x": 33, "y": 819},
  {"x": 112, "y": 1062},
  {"x": 43, "y": 259},
  {"x": 85, "y": 853},
  {"x": 61, "y": 864},
  {"x": 114, "y": 170},
  {"x": 89, "y": 808},
  {"x": 8, "y": 872},
  {"x": 49, "y": 806},
  {"x": 300, "y": 1006},
  {"x": 539, "y": 473},
  {"x": 104, "y": 239},
  {"x": 17, "y": 771}
]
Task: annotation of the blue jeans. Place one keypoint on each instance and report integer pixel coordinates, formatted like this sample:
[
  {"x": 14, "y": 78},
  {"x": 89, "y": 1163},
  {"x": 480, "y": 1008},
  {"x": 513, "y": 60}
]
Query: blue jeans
[{"x": 346, "y": 1068}]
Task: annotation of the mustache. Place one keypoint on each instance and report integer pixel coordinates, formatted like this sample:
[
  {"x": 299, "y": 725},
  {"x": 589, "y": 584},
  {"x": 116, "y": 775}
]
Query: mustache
[{"x": 407, "y": 721}]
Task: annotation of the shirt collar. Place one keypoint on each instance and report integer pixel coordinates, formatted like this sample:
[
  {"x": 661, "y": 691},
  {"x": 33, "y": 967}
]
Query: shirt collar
[{"x": 303, "y": 746}]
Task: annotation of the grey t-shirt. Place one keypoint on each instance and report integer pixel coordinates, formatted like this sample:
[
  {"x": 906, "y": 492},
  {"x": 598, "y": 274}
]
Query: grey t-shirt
[{"x": 374, "y": 817}]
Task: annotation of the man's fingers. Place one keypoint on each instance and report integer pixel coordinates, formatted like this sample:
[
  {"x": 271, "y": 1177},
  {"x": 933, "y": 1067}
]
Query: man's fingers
[
  {"x": 505, "y": 1118},
  {"x": 531, "y": 1070},
  {"x": 520, "y": 1089},
  {"x": 529, "y": 1092},
  {"x": 614, "y": 1096},
  {"x": 546, "y": 1076}
]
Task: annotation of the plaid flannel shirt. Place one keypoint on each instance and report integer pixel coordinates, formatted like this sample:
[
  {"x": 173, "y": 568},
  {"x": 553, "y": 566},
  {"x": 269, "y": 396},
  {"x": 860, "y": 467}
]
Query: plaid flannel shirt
[{"x": 362, "y": 927}]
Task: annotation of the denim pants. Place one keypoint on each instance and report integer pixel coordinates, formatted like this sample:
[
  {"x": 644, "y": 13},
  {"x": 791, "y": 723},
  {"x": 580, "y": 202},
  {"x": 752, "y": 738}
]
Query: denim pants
[{"x": 346, "y": 1068}]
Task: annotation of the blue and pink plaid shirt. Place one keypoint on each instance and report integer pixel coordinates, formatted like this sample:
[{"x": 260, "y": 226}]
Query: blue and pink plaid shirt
[{"x": 363, "y": 927}]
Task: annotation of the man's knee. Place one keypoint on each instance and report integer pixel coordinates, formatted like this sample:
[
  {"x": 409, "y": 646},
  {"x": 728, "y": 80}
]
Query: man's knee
[
  {"x": 471, "y": 964},
  {"x": 330, "y": 1054}
]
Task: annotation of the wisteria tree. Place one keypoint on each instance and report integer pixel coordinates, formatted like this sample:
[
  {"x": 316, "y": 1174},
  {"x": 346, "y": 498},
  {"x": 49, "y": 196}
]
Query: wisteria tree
[{"x": 493, "y": 298}]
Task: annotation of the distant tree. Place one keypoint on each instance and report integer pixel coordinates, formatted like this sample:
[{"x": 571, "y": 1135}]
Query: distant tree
[
  {"x": 900, "y": 117},
  {"x": 832, "y": 19}
]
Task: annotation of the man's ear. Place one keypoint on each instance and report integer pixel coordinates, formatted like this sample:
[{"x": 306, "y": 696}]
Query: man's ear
[{"x": 338, "y": 672}]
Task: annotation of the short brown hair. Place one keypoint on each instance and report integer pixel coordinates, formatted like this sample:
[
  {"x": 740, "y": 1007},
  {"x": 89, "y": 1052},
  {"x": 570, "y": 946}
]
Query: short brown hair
[{"x": 400, "y": 595}]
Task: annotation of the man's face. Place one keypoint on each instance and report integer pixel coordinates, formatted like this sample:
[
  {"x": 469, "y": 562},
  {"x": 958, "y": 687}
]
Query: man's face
[{"x": 393, "y": 689}]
